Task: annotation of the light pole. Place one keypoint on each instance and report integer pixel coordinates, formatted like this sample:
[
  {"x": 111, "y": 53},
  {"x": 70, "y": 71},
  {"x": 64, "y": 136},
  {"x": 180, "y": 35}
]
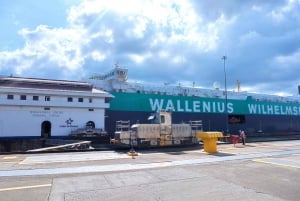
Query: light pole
[{"x": 225, "y": 80}]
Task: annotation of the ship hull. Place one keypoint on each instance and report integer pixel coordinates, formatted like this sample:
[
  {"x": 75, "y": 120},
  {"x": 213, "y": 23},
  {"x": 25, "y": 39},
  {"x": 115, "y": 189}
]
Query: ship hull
[
  {"x": 255, "y": 125},
  {"x": 255, "y": 117}
]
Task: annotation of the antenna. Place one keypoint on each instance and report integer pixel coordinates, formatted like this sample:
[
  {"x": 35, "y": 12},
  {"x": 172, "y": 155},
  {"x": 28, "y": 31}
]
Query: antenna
[
  {"x": 216, "y": 85},
  {"x": 238, "y": 85}
]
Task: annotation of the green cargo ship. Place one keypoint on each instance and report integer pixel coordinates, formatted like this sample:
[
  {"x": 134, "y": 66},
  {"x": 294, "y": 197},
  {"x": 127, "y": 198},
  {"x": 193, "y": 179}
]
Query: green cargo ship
[{"x": 255, "y": 113}]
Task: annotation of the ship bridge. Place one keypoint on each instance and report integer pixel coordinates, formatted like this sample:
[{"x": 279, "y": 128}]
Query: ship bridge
[{"x": 117, "y": 73}]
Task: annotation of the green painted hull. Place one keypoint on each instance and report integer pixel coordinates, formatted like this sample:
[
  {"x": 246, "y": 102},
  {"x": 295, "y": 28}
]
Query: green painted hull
[{"x": 152, "y": 102}]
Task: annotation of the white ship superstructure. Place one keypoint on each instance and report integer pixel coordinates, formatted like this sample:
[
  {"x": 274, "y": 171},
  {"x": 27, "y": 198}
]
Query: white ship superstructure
[
  {"x": 117, "y": 80},
  {"x": 32, "y": 107}
]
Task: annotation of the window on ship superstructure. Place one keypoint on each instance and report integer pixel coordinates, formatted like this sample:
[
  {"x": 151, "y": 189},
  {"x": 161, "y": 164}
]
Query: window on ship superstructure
[
  {"x": 70, "y": 99},
  {"x": 80, "y": 100},
  {"x": 35, "y": 98},
  {"x": 47, "y": 98},
  {"x": 90, "y": 100},
  {"x": 22, "y": 97},
  {"x": 10, "y": 97}
]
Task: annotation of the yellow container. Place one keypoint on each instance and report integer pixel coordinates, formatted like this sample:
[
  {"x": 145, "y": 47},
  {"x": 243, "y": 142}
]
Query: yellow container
[{"x": 210, "y": 140}]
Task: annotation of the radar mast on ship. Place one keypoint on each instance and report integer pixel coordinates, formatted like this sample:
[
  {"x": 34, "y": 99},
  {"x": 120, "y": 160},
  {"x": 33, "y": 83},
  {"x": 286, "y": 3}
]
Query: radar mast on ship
[{"x": 117, "y": 73}]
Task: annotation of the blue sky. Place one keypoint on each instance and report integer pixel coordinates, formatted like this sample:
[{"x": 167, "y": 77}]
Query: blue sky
[{"x": 158, "y": 41}]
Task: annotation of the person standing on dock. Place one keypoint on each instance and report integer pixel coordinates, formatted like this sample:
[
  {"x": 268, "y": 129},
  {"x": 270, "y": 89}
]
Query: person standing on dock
[{"x": 243, "y": 136}]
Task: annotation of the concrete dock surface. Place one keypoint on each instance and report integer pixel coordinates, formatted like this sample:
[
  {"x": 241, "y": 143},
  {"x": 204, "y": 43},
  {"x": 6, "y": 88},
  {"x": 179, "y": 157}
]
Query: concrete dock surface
[{"x": 255, "y": 171}]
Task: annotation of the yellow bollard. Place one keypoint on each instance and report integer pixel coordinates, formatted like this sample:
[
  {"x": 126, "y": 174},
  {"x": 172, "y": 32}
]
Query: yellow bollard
[
  {"x": 132, "y": 152},
  {"x": 209, "y": 140}
]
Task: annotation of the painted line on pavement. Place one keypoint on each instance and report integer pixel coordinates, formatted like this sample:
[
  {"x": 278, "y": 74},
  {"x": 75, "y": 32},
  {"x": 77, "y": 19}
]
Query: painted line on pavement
[
  {"x": 43, "y": 159},
  {"x": 9, "y": 157},
  {"x": 24, "y": 187},
  {"x": 275, "y": 161}
]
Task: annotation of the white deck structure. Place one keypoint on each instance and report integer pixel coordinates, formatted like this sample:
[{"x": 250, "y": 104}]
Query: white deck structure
[
  {"x": 117, "y": 80},
  {"x": 32, "y": 107}
]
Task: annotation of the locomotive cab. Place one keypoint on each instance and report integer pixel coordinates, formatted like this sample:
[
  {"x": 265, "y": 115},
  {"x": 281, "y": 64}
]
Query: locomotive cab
[{"x": 161, "y": 117}]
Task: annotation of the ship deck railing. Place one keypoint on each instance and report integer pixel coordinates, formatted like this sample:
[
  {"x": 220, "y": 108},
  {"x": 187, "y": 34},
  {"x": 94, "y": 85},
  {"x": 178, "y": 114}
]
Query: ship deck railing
[
  {"x": 196, "y": 125},
  {"x": 122, "y": 125}
]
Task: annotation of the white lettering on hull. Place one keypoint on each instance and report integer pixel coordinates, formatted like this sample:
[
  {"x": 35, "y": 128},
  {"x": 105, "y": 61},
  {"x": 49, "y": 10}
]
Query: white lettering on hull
[
  {"x": 190, "y": 106},
  {"x": 219, "y": 107},
  {"x": 273, "y": 109}
]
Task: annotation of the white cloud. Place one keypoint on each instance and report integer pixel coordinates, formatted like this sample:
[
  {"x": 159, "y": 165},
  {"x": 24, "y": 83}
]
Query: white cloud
[
  {"x": 282, "y": 13},
  {"x": 178, "y": 59},
  {"x": 170, "y": 21},
  {"x": 98, "y": 56},
  {"x": 157, "y": 37},
  {"x": 140, "y": 27},
  {"x": 60, "y": 46},
  {"x": 139, "y": 58},
  {"x": 163, "y": 54}
]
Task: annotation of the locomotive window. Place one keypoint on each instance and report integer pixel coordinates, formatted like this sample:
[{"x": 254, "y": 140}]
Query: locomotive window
[{"x": 162, "y": 119}]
